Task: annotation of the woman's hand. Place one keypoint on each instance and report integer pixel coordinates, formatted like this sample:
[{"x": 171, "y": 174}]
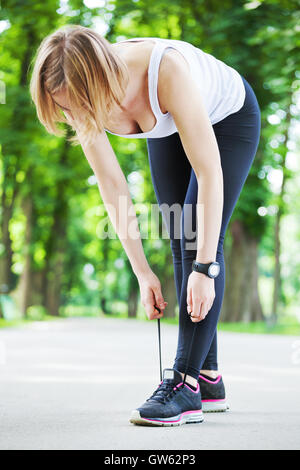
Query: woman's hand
[
  {"x": 151, "y": 295},
  {"x": 200, "y": 295}
]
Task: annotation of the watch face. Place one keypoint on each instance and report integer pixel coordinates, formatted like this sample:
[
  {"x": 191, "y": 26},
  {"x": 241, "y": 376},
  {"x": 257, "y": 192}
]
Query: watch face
[{"x": 214, "y": 270}]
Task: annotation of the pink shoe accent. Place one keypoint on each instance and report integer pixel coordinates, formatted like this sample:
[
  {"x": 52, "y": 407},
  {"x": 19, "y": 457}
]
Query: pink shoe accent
[
  {"x": 214, "y": 401},
  {"x": 211, "y": 381},
  {"x": 194, "y": 391}
]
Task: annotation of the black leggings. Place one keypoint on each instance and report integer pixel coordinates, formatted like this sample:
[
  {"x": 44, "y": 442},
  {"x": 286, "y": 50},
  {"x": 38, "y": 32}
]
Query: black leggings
[{"x": 174, "y": 182}]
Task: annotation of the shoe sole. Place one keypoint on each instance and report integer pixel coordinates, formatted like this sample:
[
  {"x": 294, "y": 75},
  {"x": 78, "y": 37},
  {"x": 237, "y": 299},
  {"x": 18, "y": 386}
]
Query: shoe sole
[
  {"x": 184, "y": 418},
  {"x": 214, "y": 406}
]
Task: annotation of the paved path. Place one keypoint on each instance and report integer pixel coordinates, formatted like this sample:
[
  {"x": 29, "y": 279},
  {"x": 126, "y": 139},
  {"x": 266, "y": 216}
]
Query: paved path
[{"x": 71, "y": 384}]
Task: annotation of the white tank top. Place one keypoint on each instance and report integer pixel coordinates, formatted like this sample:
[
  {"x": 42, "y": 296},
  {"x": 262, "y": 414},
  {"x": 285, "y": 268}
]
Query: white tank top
[{"x": 222, "y": 88}]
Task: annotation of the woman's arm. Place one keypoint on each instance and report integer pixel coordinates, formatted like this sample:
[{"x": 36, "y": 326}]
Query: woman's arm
[
  {"x": 116, "y": 197},
  {"x": 181, "y": 97}
]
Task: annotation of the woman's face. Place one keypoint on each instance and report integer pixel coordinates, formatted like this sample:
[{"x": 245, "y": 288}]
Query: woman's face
[{"x": 60, "y": 98}]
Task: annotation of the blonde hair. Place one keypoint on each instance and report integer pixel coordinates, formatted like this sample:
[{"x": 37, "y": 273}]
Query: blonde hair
[{"x": 81, "y": 62}]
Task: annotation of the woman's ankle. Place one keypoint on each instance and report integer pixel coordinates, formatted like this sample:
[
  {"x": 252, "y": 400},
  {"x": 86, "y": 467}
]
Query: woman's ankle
[
  {"x": 213, "y": 374},
  {"x": 190, "y": 380}
]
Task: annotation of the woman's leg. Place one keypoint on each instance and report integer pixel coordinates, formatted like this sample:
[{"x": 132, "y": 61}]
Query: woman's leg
[
  {"x": 237, "y": 136},
  {"x": 170, "y": 172},
  {"x": 210, "y": 364}
]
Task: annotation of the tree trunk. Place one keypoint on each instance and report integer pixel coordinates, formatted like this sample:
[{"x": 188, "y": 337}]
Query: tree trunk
[
  {"x": 56, "y": 247},
  {"x": 56, "y": 243},
  {"x": 169, "y": 291},
  {"x": 25, "y": 280},
  {"x": 277, "y": 246},
  {"x": 7, "y": 280},
  {"x": 133, "y": 302},
  {"x": 53, "y": 295},
  {"x": 241, "y": 298},
  {"x": 56, "y": 258},
  {"x": 277, "y": 270},
  {"x": 103, "y": 306},
  {"x": 102, "y": 290},
  {"x": 10, "y": 149}
]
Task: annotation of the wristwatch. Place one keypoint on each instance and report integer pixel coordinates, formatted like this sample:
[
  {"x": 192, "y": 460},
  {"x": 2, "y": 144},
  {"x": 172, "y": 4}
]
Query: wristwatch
[{"x": 211, "y": 270}]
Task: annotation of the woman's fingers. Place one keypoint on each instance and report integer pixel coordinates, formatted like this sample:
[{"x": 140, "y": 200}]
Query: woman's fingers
[
  {"x": 200, "y": 313},
  {"x": 196, "y": 313},
  {"x": 151, "y": 296},
  {"x": 196, "y": 308},
  {"x": 203, "y": 311},
  {"x": 149, "y": 303},
  {"x": 157, "y": 313},
  {"x": 159, "y": 300},
  {"x": 200, "y": 296},
  {"x": 189, "y": 300}
]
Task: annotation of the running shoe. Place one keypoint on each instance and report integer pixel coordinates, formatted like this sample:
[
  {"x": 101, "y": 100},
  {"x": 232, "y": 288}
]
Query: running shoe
[
  {"x": 213, "y": 394},
  {"x": 173, "y": 403}
]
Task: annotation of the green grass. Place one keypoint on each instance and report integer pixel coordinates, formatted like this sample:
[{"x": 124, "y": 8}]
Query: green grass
[
  {"x": 25, "y": 321},
  {"x": 79, "y": 311},
  {"x": 262, "y": 328},
  {"x": 286, "y": 325},
  {"x": 8, "y": 323}
]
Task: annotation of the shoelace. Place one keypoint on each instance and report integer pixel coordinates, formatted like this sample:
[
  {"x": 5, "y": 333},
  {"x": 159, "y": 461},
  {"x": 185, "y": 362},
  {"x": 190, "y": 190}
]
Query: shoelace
[
  {"x": 165, "y": 392},
  {"x": 190, "y": 352},
  {"x": 169, "y": 389}
]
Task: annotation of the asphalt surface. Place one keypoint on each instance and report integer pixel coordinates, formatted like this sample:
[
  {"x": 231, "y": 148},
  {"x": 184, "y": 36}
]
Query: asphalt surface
[{"x": 71, "y": 384}]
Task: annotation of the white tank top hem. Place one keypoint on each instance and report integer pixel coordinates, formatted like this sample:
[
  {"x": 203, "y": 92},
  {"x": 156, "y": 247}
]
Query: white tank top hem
[{"x": 222, "y": 88}]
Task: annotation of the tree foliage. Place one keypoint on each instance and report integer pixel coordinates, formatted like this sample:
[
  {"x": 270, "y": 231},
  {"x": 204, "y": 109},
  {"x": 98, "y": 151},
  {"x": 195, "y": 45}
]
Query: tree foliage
[{"x": 51, "y": 251}]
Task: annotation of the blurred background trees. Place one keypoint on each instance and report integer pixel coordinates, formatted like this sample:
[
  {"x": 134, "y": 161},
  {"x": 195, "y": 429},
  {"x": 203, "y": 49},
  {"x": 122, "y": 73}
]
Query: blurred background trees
[{"x": 53, "y": 258}]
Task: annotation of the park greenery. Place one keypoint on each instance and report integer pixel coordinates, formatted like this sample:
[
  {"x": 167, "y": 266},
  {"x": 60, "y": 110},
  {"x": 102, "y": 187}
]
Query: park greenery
[{"x": 53, "y": 260}]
